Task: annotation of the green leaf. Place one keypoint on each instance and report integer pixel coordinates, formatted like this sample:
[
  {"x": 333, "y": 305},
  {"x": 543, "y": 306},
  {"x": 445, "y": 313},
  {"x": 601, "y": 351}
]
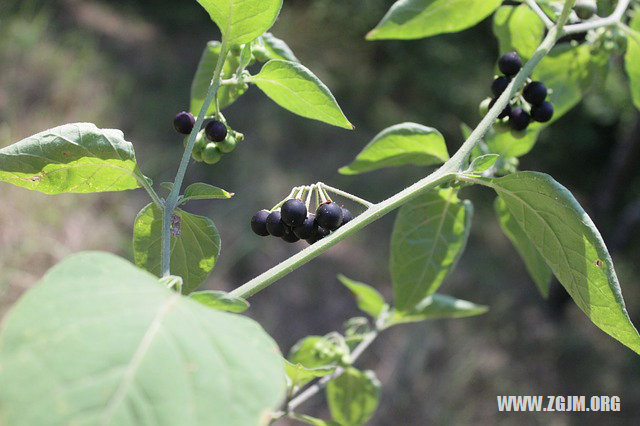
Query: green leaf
[
  {"x": 632, "y": 58},
  {"x": 483, "y": 163},
  {"x": 76, "y": 157},
  {"x": 295, "y": 88},
  {"x": 167, "y": 185},
  {"x": 507, "y": 144},
  {"x": 429, "y": 236},
  {"x": 568, "y": 73},
  {"x": 220, "y": 300},
  {"x": 99, "y": 341},
  {"x": 314, "y": 420},
  {"x": 571, "y": 245},
  {"x": 537, "y": 267},
  {"x": 411, "y": 19},
  {"x": 195, "y": 245},
  {"x": 518, "y": 28},
  {"x": 301, "y": 375},
  {"x": 278, "y": 49},
  {"x": 353, "y": 397},
  {"x": 315, "y": 351},
  {"x": 204, "y": 191},
  {"x": 398, "y": 145},
  {"x": 241, "y": 21},
  {"x": 202, "y": 79},
  {"x": 368, "y": 298},
  {"x": 437, "y": 306}
]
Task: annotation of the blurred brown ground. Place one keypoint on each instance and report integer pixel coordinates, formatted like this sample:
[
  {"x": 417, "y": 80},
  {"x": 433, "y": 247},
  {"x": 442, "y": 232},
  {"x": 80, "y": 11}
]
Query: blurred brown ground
[{"x": 128, "y": 65}]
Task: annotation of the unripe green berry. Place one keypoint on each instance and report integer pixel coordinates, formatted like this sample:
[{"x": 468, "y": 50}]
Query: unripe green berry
[
  {"x": 228, "y": 144},
  {"x": 484, "y": 106},
  {"x": 211, "y": 154},
  {"x": 585, "y": 9}
]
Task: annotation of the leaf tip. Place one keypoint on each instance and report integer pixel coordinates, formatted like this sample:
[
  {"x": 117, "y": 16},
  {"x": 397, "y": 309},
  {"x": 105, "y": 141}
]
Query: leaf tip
[{"x": 371, "y": 35}]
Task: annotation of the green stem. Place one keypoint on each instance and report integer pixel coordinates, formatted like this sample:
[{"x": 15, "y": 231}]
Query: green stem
[
  {"x": 445, "y": 173},
  {"x": 152, "y": 193},
  {"x": 172, "y": 200},
  {"x": 345, "y": 194},
  {"x": 612, "y": 19}
]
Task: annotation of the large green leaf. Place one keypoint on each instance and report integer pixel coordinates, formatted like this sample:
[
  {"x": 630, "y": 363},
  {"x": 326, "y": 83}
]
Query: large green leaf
[
  {"x": 411, "y": 19},
  {"x": 568, "y": 72},
  {"x": 353, "y": 397},
  {"x": 518, "y": 28},
  {"x": 202, "y": 79},
  {"x": 99, "y": 341},
  {"x": 437, "y": 306},
  {"x": 571, "y": 245},
  {"x": 76, "y": 157},
  {"x": 292, "y": 86},
  {"x": 429, "y": 236},
  {"x": 195, "y": 245},
  {"x": 398, "y": 145},
  {"x": 369, "y": 300},
  {"x": 507, "y": 144},
  {"x": 632, "y": 58},
  {"x": 277, "y": 48},
  {"x": 241, "y": 21},
  {"x": 537, "y": 267}
]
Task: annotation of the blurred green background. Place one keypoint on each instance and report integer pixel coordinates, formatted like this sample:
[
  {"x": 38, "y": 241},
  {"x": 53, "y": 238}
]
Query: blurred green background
[{"x": 129, "y": 65}]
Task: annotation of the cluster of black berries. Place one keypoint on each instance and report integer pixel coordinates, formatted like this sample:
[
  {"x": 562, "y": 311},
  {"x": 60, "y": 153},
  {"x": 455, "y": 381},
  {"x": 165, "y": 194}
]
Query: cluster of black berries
[
  {"x": 534, "y": 93},
  {"x": 293, "y": 223},
  {"x": 211, "y": 142}
]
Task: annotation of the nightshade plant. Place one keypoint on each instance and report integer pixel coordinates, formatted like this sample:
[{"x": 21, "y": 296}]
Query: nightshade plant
[{"x": 103, "y": 341}]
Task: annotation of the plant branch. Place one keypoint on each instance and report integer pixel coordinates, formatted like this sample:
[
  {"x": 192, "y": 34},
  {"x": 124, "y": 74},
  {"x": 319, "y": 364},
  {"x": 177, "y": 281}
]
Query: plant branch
[
  {"x": 541, "y": 14},
  {"x": 172, "y": 200},
  {"x": 446, "y": 172},
  {"x": 152, "y": 193},
  {"x": 612, "y": 19},
  {"x": 345, "y": 194}
]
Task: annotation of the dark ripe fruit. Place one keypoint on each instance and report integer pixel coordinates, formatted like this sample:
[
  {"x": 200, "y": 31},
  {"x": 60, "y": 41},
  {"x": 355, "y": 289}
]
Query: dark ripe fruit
[
  {"x": 329, "y": 215},
  {"x": 585, "y": 9},
  {"x": 510, "y": 63},
  {"x": 259, "y": 223},
  {"x": 535, "y": 93},
  {"x": 211, "y": 154},
  {"x": 543, "y": 112},
  {"x": 216, "y": 131},
  {"x": 499, "y": 85},
  {"x": 307, "y": 229},
  {"x": 293, "y": 212},
  {"x": 505, "y": 112},
  {"x": 275, "y": 225},
  {"x": 289, "y": 235},
  {"x": 318, "y": 235},
  {"x": 519, "y": 119},
  {"x": 183, "y": 122},
  {"x": 347, "y": 216}
]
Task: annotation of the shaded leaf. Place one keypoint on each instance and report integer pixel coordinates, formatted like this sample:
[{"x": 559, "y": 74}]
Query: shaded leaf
[
  {"x": 368, "y": 298},
  {"x": 483, "y": 163},
  {"x": 277, "y": 48},
  {"x": 518, "y": 28},
  {"x": 315, "y": 351},
  {"x": 75, "y": 157},
  {"x": 398, "y": 145},
  {"x": 411, "y": 19},
  {"x": 632, "y": 59},
  {"x": 354, "y": 396},
  {"x": 220, "y": 300},
  {"x": 429, "y": 236},
  {"x": 99, "y": 341},
  {"x": 537, "y": 267},
  {"x": 292, "y": 86},
  {"x": 301, "y": 375},
  {"x": 195, "y": 245},
  {"x": 204, "y": 191}
]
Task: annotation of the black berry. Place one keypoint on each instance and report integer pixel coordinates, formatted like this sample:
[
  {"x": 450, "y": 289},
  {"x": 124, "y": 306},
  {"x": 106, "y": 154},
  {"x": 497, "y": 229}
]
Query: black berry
[
  {"x": 184, "y": 122},
  {"x": 293, "y": 212},
  {"x": 216, "y": 131},
  {"x": 329, "y": 215},
  {"x": 519, "y": 119},
  {"x": 307, "y": 229},
  {"x": 275, "y": 225},
  {"x": 347, "y": 216},
  {"x": 535, "y": 93},
  {"x": 499, "y": 85},
  {"x": 505, "y": 112},
  {"x": 259, "y": 223},
  {"x": 318, "y": 235},
  {"x": 289, "y": 235},
  {"x": 542, "y": 112},
  {"x": 510, "y": 63}
]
